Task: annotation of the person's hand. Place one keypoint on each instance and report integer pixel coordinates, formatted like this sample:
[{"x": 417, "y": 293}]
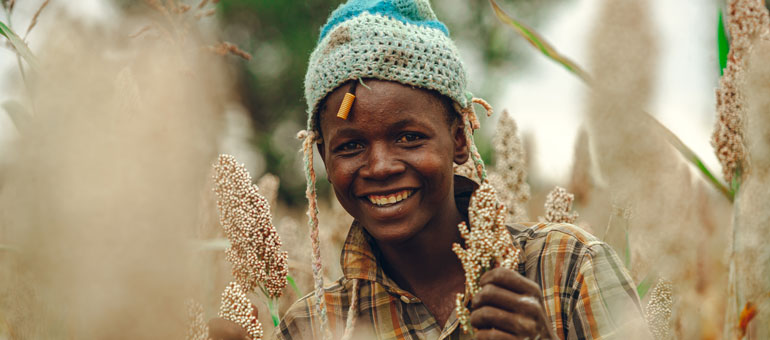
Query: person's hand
[{"x": 509, "y": 306}]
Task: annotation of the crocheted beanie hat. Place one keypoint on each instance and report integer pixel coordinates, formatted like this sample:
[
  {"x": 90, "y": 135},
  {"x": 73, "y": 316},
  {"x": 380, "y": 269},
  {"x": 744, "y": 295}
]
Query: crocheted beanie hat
[{"x": 396, "y": 40}]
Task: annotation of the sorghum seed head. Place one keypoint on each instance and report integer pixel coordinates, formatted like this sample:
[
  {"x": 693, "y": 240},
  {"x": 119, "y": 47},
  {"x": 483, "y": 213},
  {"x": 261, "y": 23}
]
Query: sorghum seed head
[
  {"x": 658, "y": 310},
  {"x": 558, "y": 205},
  {"x": 198, "y": 329},
  {"x": 510, "y": 174},
  {"x": 237, "y": 308},
  {"x": 488, "y": 244},
  {"x": 255, "y": 247}
]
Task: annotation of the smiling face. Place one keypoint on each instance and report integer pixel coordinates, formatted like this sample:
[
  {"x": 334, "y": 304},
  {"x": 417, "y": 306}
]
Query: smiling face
[{"x": 390, "y": 162}]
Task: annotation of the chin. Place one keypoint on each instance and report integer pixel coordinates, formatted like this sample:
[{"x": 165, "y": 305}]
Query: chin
[
  {"x": 389, "y": 236},
  {"x": 393, "y": 232}
]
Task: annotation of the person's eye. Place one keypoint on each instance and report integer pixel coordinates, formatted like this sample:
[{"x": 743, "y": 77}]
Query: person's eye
[
  {"x": 409, "y": 137},
  {"x": 349, "y": 146}
]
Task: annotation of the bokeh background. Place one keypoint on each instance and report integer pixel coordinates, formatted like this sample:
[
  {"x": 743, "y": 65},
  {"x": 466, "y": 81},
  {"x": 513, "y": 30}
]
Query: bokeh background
[{"x": 665, "y": 63}]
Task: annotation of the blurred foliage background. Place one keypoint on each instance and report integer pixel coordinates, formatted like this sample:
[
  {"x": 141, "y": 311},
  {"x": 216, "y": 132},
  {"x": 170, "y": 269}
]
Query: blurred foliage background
[
  {"x": 267, "y": 108},
  {"x": 281, "y": 34}
]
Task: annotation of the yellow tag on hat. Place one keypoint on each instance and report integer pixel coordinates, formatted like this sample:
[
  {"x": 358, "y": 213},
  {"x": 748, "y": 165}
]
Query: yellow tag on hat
[{"x": 347, "y": 104}]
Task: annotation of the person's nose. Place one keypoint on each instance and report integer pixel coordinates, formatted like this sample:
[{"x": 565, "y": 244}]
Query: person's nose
[{"x": 382, "y": 163}]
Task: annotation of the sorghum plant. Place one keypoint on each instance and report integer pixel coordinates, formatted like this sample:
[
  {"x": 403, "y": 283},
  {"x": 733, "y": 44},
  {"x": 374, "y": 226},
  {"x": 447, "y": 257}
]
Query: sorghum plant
[
  {"x": 255, "y": 247},
  {"x": 198, "y": 329},
  {"x": 488, "y": 244},
  {"x": 558, "y": 206},
  {"x": 658, "y": 310},
  {"x": 740, "y": 140},
  {"x": 237, "y": 308},
  {"x": 510, "y": 172},
  {"x": 747, "y": 20}
]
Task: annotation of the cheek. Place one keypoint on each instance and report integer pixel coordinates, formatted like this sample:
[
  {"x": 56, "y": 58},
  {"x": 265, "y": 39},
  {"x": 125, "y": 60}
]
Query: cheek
[
  {"x": 431, "y": 164},
  {"x": 341, "y": 176},
  {"x": 436, "y": 166}
]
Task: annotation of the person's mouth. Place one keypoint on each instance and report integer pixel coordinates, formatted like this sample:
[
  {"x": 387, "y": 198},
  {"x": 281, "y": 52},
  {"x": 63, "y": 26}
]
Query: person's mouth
[{"x": 384, "y": 200}]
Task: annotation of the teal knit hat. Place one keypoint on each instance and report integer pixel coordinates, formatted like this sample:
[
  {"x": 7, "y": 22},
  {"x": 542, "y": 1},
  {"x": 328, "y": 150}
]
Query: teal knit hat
[{"x": 396, "y": 40}]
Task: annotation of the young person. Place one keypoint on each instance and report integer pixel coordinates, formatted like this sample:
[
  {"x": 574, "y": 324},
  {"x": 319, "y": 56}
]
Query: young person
[{"x": 389, "y": 156}]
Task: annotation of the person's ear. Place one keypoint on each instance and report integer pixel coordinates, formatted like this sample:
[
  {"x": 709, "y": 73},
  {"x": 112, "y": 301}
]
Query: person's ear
[{"x": 461, "y": 146}]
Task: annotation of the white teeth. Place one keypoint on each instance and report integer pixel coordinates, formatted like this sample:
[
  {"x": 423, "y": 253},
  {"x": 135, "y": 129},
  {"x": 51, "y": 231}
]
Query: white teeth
[{"x": 385, "y": 200}]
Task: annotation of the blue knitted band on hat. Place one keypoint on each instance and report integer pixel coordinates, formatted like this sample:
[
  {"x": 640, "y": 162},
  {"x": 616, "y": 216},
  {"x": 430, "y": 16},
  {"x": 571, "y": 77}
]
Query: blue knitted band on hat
[
  {"x": 394, "y": 40},
  {"x": 404, "y": 11}
]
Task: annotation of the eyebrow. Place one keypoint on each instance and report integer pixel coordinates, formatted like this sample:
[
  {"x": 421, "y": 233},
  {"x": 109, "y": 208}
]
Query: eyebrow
[
  {"x": 398, "y": 125},
  {"x": 347, "y": 132},
  {"x": 406, "y": 122}
]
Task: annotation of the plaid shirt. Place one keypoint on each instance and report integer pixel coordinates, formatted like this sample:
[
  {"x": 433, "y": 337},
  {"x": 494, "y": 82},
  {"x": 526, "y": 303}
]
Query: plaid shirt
[{"x": 587, "y": 292}]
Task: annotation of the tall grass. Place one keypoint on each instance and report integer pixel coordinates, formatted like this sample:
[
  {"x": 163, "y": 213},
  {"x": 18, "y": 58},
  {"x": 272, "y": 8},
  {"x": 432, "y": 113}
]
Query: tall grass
[
  {"x": 102, "y": 187},
  {"x": 676, "y": 228},
  {"x": 109, "y": 180},
  {"x": 750, "y": 258}
]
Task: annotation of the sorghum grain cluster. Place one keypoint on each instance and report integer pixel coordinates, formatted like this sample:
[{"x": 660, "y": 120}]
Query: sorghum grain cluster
[
  {"x": 488, "y": 244},
  {"x": 658, "y": 310},
  {"x": 558, "y": 205},
  {"x": 747, "y": 20},
  {"x": 510, "y": 172},
  {"x": 237, "y": 308},
  {"x": 198, "y": 329},
  {"x": 255, "y": 247}
]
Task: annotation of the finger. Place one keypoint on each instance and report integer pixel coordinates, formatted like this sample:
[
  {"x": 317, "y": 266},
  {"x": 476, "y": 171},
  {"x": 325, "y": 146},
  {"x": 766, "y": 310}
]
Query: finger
[
  {"x": 511, "y": 280},
  {"x": 494, "y": 334},
  {"x": 495, "y": 318},
  {"x": 494, "y": 296},
  {"x": 223, "y": 329}
]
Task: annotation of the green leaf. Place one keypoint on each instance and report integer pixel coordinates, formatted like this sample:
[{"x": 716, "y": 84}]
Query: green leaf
[
  {"x": 735, "y": 184},
  {"x": 293, "y": 285},
  {"x": 722, "y": 43},
  {"x": 643, "y": 287},
  {"x": 21, "y": 48},
  {"x": 18, "y": 113},
  {"x": 730, "y": 193},
  {"x": 538, "y": 42},
  {"x": 688, "y": 154},
  {"x": 272, "y": 306}
]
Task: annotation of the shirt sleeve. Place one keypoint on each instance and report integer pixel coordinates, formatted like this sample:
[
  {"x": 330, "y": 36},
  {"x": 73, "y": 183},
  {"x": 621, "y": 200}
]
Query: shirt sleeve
[
  {"x": 607, "y": 305},
  {"x": 297, "y": 323}
]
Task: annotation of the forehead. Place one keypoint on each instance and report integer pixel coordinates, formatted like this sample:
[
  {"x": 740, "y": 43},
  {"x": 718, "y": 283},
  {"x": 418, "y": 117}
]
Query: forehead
[{"x": 381, "y": 101}]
